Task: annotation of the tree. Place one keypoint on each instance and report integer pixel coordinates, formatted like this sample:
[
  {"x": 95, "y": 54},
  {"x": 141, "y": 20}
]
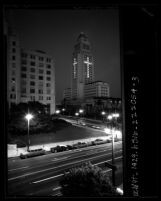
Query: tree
[{"x": 87, "y": 181}]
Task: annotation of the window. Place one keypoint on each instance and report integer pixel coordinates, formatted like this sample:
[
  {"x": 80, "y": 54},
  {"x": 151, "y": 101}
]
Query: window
[
  {"x": 40, "y": 84},
  {"x": 32, "y": 98},
  {"x": 24, "y": 62},
  {"x": 32, "y": 91},
  {"x": 41, "y": 65},
  {"x": 48, "y": 66},
  {"x": 48, "y": 78},
  {"x": 32, "y": 83},
  {"x": 13, "y": 58},
  {"x": 48, "y": 91},
  {"x": 23, "y": 75},
  {"x": 40, "y": 97},
  {"x": 41, "y": 59},
  {"x": 48, "y": 84},
  {"x": 32, "y": 56},
  {"x": 13, "y": 65},
  {"x": 13, "y": 88},
  {"x": 48, "y": 59},
  {"x": 40, "y": 91},
  {"x": 13, "y": 50},
  {"x": 23, "y": 90},
  {"x": 13, "y": 72},
  {"x": 24, "y": 55},
  {"x": 23, "y": 82},
  {"x": 32, "y": 63},
  {"x": 32, "y": 70},
  {"x": 41, "y": 71},
  {"x": 48, "y": 98},
  {"x": 23, "y": 68},
  {"x": 13, "y": 43},
  {"x": 32, "y": 76},
  {"x": 48, "y": 72},
  {"x": 40, "y": 77},
  {"x": 13, "y": 96}
]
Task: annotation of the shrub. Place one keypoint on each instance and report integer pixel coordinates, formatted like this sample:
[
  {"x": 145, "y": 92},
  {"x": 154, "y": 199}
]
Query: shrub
[{"x": 87, "y": 181}]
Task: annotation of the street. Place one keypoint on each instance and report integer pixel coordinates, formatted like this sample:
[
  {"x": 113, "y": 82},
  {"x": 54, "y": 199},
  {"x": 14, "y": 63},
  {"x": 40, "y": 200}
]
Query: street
[{"x": 40, "y": 176}]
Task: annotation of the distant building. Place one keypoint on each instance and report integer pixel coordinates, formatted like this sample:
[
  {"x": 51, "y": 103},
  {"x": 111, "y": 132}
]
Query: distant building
[
  {"x": 96, "y": 89},
  {"x": 30, "y": 74},
  {"x": 82, "y": 67},
  {"x": 67, "y": 94}
]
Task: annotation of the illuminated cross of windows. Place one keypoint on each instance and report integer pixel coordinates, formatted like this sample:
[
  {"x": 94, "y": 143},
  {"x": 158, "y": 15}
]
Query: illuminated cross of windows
[
  {"x": 88, "y": 63},
  {"x": 74, "y": 64}
]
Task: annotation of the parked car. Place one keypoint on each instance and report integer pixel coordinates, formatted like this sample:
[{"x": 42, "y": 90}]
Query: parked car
[{"x": 33, "y": 153}]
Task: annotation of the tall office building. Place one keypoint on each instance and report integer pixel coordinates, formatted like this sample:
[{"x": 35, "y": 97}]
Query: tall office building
[
  {"x": 30, "y": 74},
  {"x": 83, "y": 66}
]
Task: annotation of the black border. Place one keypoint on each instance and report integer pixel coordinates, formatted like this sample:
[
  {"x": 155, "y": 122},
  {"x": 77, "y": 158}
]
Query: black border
[{"x": 152, "y": 100}]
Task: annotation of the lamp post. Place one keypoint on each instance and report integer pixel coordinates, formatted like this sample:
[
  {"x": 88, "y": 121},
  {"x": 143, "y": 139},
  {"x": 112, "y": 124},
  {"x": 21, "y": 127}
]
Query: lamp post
[
  {"x": 77, "y": 114},
  {"x": 103, "y": 114},
  {"x": 63, "y": 110},
  {"x": 112, "y": 119},
  {"x": 28, "y": 117},
  {"x": 81, "y": 112}
]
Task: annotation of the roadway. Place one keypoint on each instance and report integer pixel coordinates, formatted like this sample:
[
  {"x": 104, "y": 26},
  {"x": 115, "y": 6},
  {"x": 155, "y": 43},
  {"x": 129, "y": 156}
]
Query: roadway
[{"x": 40, "y": 176}]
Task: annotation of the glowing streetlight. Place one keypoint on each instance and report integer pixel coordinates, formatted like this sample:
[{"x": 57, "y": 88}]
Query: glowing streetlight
[
  {"x": 57, "y": 111},
  {"x": 81, "y": 111},
  {"x": 28, "y": 117},
  {"x": 76, "y": 114},
  {"x": 112, "y": 117},
  {"x": 103, "y": 113}
]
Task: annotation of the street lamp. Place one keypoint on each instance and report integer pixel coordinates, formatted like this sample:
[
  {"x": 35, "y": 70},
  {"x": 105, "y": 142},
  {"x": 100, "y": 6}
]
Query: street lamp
[
  {"x": 81, "y": 112},
  {"x": 63, "y": 110},
  {"x": 103, "y": 114},
  {"x": 28, "y": 117},
  {"x": 112, "y": 118},
  {"x": 57, "y": 111},
  {"x": 77, "y": 114}
]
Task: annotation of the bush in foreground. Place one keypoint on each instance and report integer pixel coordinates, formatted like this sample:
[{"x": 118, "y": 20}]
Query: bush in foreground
[{"x": 87, "y": 181}]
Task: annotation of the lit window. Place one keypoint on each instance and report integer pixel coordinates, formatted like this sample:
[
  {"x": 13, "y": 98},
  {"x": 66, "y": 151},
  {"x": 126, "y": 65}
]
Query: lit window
[
  {"x": 88, "y": 64},
  {"x": 75, "y": 70}
]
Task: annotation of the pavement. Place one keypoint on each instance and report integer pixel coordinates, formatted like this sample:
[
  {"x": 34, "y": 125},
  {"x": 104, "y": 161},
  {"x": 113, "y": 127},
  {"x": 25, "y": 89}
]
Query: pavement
[{"x": 15, "y": 152}]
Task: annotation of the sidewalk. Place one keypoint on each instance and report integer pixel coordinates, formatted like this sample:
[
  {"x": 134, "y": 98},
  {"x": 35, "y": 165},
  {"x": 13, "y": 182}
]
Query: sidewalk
[{"x": 17, "y": 151}]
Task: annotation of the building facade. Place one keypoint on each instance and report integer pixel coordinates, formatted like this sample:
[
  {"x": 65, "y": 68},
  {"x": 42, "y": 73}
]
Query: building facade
[
  {"x": 30, "y": 74},
  {"x": 83, "y": 66},
  {"x": 96, "y": 89},
  {"x": 67, "y": 93}
]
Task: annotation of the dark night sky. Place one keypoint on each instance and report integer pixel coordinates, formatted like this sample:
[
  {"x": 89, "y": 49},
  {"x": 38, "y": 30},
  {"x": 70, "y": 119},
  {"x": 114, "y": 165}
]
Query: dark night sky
[{"x": 56, "y": 31}]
